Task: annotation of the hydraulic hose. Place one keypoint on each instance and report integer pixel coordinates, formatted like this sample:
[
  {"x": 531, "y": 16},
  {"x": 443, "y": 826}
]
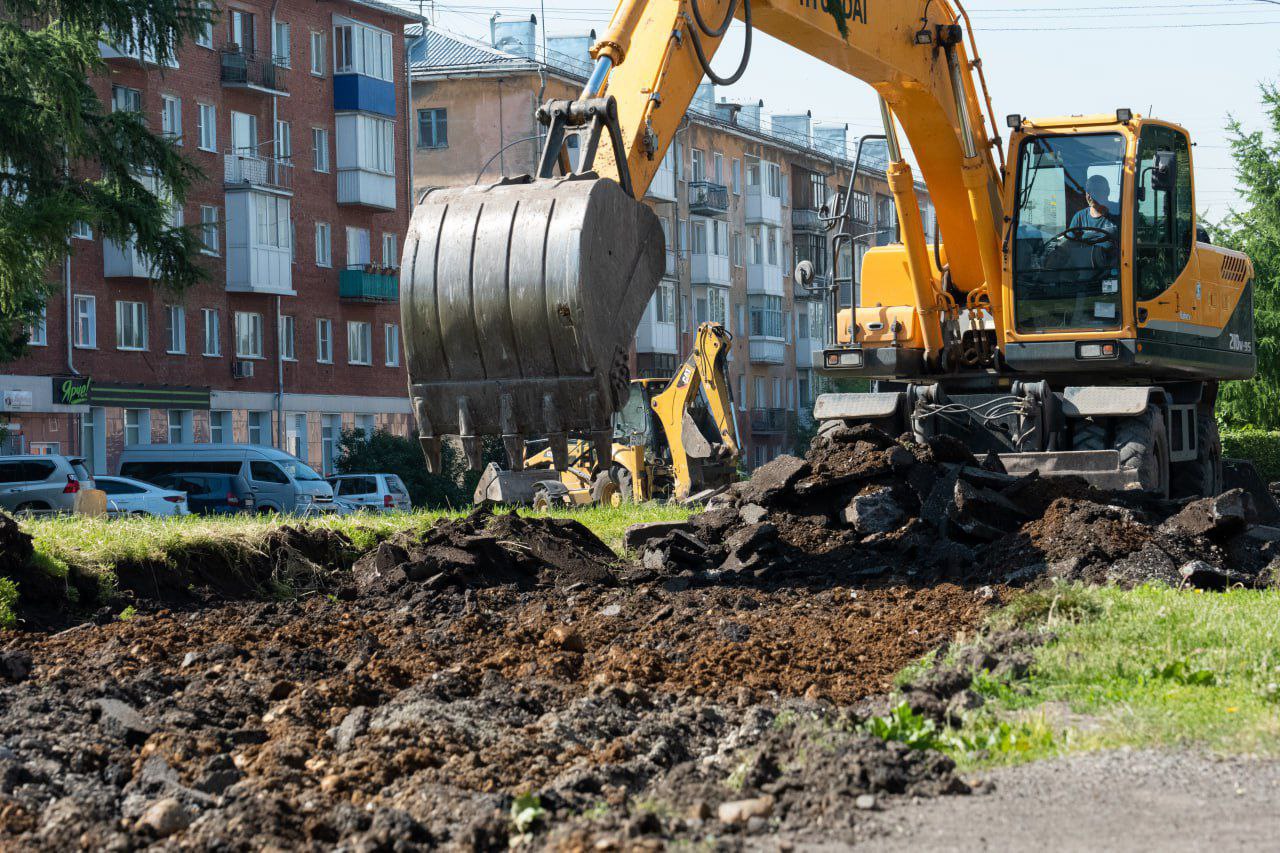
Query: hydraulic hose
[
  {"x": 724, "y": 25},
  {"x": 746, "y": 49}
]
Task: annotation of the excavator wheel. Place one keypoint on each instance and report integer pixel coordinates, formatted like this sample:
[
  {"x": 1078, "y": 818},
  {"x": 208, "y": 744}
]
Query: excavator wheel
[
  {"x": 604, "y": 490},
  {"x": 1144, "y": 448},
  {"x": 1089, "y": 434},
  {"x": 541, "y": 500}
]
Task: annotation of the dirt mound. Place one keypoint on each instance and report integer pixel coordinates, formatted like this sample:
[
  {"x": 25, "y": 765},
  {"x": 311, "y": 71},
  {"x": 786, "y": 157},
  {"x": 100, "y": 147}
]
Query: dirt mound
[
  {"x": 483, "y": 550},
  {"x": 863, "y": 505}
]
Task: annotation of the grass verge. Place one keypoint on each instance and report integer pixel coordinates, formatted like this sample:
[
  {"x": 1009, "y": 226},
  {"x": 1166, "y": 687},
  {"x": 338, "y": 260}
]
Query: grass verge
[{"x": 1145, "y": 668}]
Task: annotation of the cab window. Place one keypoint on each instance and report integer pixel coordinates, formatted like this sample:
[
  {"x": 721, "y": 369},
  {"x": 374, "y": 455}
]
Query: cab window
[
  {"x": 267, "y": 472},
  {"x": 1164, "y": 226}
]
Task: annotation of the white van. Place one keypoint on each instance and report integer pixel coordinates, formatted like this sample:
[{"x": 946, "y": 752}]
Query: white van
[{"x": 280, "y": 482}]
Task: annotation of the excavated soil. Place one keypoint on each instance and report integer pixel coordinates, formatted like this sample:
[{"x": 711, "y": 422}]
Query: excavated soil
[{"x": 708, "y": 689}]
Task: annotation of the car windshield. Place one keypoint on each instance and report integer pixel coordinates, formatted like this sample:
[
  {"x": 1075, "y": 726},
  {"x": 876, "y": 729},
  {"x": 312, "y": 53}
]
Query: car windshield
[
  {"x": 1067, "y": 237},
  {"x": 298, "y": 470}
]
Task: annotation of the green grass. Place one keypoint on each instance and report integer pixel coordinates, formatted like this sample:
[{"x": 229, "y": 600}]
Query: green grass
[
  {"x": 97, "y": 545},
  {"x": 1146, "y": 668}
]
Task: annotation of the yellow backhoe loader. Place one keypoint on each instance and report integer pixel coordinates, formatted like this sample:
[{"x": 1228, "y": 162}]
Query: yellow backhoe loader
[
  {"x": 674, "y": 438},
  {"x": 1072, "y": 318}
]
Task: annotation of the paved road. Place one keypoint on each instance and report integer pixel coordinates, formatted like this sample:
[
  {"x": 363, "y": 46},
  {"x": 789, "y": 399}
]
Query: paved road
[{"x": 1158, "y": 801}]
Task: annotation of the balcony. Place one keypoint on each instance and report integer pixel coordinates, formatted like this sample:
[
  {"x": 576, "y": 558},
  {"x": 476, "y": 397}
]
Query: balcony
[
  {"x": 819, "y": 288},
  {"x": 124, "y": 261},
  {"x": 249, "y": 171},
  {"x": 359, "y": 93},
  {"x": 804, "y": 353},
  {"x": 769, "y": 420},
  {"x": 366, "y": 188},
  {"x": 663, "y": 185},
  {"x": 259, "y": 228},
  {"x": 709, "y": 269},
  {"x": 255, "y": 73},
  {"x": 807, "y": 221},
  {"x": 653, "y": 336},
  {"x": 130, "y": 51},
  {"x": 672, "y": 268},
  {"x": 369, "y": 283},
  {"x": 767, "y": 351},
  {"x": 765, "y": 278},
  {"x": 762, "y": 207},
  {"x": 707, "y": 198}
]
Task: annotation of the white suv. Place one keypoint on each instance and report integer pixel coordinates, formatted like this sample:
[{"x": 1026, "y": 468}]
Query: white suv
[
  {"x": 47, "y": 483},
  {"x": 373, "y": 492}
]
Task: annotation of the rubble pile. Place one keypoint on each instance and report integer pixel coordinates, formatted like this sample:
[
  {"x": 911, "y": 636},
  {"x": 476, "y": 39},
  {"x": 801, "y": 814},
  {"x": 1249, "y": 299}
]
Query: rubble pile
[{"x": 862, "y": 505}]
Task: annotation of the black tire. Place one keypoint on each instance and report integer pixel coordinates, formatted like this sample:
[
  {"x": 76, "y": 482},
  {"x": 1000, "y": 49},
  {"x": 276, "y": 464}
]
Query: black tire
[
  {"x": 626, "y": 486},
  {"x": 1144, "y": 447},
  {"x": 1089, "y": 434},
  {"x": 1202, "y": 476},
  {"x": 31, "y": 508},
  {"x": 604, "y": 490}
]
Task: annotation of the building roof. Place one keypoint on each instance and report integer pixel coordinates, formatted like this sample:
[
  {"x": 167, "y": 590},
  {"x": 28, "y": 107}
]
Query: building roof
[
  {"x": 386, "y": 8},
  {"x": 442, "y": 51}
]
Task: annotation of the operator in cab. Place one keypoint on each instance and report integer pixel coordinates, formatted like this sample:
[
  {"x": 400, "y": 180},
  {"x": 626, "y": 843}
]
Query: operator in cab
[{"x": 1096, "y": 213}]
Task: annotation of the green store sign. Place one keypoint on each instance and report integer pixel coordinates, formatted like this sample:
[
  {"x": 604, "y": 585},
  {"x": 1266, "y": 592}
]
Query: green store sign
[{"x": 84, "y": 391}]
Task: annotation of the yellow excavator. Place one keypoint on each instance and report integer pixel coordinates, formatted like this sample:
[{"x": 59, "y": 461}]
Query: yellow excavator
[
  {"x": 1071, "y": 317},
  {"x": 674, "y": 438}
]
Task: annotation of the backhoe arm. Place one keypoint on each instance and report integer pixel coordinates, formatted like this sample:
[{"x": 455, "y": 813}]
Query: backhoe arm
[{"x": 704, "y": 370}]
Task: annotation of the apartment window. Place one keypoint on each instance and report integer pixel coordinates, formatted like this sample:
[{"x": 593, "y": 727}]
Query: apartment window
[
  {"x": 765, "y": 316},
  {"x": 241, "y": 31},
  {"x": 736, "y": 245},
  {"x": 374, "y": 140},
  {"x": 125, "y": 99},
  {"x": 171, "y": 117},
  {"x": 248, "y": 334},
  {"x": 359, "y": 343},
  {"x": 330, "y": 435},
  {"x": 38, "y": 331},
  {"x": 698, "y": 237},
  {"x": 719, "y": 243},
  {"x": 390, "y": 252},
  {"x": 177, "y": 317},
  {"x": 365, "y": 424},
  {"x": 358, "y": 252},
  {"x": 320, "y": 149},
  {"x": 284, "y": 141},
  {"x": 82, "y": 230},
  {"x": 209, "y": 241},
  {"x": 86, "y": 329},
  {"x": 860, "y": 206},
  {"x": 742, "y": 392},
  {"x": 280, "y": 44},
  {"x": 137, "y": 426},
  {"x": 757, "y": 394},
  {"x": 433, "y": 128},
  {"x": 179, "y": 426},
  {"x": 287, "y": 351},
  {"x": 296, "y": 435},
  {"x": 273, "y": 220},
  {"x": 324, "y": 341},
  {"x": 204, "y": 36},
  {"x": 735, "y": 174},
  {"x": 717, "y": 169},
  {"x": 755, "y": 245},
  {"x": 773, "y": 180},
  {"x": 773, "y": 245},
  {"x": 131, "y": 325},
  {"x": 664, "y": 304},
  {"x": 753, "y": 174},
  {"x": 208, "y": 126},
  {"x": 212, "y": 332},
  {"x": 259, "y": 424},
  {"x": 317, "y": 54},
  {"x": 220, "y": 427},
  {"x": 324, "y": 251},
  {"x": 361, "y": 49},
  {"x": 717, "y": 305},
  {"x": 391, "y": 337}
]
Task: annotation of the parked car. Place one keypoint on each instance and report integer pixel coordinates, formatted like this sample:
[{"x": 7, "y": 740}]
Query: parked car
[
  {"x": 134, "y": 497},
  {"x": 211, "y": 494},
  {"x": 47, "y": 483},
  {"x": 374, "y": 492},
  {"x": 279, "y": 482}
]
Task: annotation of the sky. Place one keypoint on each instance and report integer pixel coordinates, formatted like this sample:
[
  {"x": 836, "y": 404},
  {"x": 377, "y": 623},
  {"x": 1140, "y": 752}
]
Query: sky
[{"x": 1194, "y": 62}]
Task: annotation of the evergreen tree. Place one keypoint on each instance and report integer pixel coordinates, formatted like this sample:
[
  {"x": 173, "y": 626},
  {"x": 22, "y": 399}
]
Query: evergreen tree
[
  {"x": 66, "y": 158},
  {"x": 1255, "y": 230}
]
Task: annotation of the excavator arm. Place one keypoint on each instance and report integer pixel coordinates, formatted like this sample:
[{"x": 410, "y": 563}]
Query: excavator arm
[
  {"x": 519, "y": 298},
  {"x": 703, "y": 371}
]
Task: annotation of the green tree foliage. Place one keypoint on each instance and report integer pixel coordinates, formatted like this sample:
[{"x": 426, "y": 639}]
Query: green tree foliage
[
  {"x": 1255, "y": 230},
  {"x": 66, "y": 158}
]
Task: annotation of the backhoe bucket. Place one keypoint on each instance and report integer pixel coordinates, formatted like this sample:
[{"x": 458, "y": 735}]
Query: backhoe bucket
[{"x": 519, "y": 301}]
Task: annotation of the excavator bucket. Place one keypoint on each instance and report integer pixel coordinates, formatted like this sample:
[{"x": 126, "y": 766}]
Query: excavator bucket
[{"x": 518, "y": 301}]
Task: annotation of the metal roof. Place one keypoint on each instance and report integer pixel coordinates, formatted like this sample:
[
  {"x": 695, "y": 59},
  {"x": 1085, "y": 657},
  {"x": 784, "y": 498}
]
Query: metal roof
[{"x": 440, "y": 51}]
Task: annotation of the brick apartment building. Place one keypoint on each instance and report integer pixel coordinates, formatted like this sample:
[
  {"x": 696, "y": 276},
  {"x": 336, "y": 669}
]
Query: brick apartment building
[
  {"x": 293, "y": 110},
  {"x": 738, "y": 195}
]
